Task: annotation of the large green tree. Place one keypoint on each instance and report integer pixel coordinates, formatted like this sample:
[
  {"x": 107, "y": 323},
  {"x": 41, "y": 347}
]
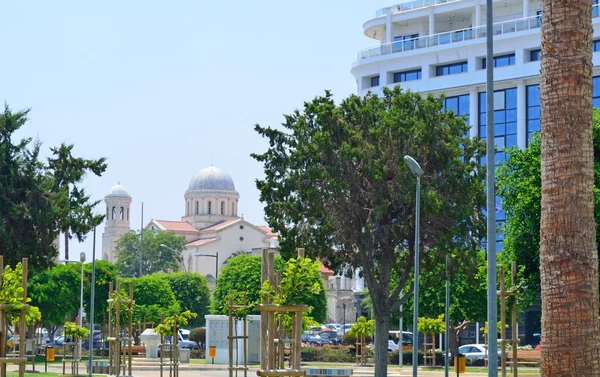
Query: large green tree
[
  {"x": 155, "y": 258},
  {"x": 191, "y": 292},
  {"x": 336, "y": 184},
  {"x": 28, "y": 210},
  {"x": 520, "y": 186},
  {"x": 77, "y": 213},
  {"x": 242, "y": 273},
  {"x": 153, "y": 296},
  {"x": 56, "y": 292}
]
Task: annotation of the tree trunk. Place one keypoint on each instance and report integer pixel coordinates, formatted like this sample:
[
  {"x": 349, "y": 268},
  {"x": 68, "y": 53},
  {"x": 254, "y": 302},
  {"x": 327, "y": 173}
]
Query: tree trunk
[
  {"x": 568, "y": 254},
  {"x": 382, "y": 328}
]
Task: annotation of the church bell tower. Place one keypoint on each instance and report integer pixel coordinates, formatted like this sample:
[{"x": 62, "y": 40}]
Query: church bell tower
[{"x": 116, "y": 222}]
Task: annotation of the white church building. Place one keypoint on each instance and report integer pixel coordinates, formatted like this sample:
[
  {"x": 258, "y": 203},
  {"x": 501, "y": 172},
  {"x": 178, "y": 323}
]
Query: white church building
[{"x": 210, "y": 223}]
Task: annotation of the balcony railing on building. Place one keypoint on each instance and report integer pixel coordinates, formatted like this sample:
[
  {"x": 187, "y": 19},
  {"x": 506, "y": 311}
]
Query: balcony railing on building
[
  {"x": 410, "y": 5},
  {"x": 455, "y": 36}
]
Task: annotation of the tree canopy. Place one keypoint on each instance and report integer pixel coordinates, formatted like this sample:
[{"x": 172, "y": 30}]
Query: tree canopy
[
  {"x": 191, "y": 292},
  {"x": 336, "y": 184},
  {"x": 155, "y": 258},
  {"x": 153, "y": 296},
  {"x": 242, "y": 273},
  {"x": 40, "y": 199},
  {"x": 519, "y": 184},
  {"x": 67, "y": 173}
]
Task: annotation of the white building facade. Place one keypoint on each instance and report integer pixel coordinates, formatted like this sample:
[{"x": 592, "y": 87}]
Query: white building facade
[
  {"x": 439, "y": 47},
  {"x": 210, "y": 224}
]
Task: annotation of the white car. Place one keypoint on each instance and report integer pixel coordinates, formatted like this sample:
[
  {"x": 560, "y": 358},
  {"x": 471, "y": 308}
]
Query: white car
[
  {"x": 475, "y": 351},
  {"x": 392, "y": 346}
]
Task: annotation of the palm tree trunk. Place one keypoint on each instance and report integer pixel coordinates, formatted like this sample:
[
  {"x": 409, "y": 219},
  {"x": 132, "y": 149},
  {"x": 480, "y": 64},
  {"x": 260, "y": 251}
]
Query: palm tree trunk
[
  {"x": 568, "y": 254},
  {"x": 67, "y": 245}
]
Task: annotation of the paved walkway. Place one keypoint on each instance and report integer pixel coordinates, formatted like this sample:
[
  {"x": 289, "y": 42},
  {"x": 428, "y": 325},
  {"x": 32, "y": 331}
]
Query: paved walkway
[{"x": 209, "y": 370}]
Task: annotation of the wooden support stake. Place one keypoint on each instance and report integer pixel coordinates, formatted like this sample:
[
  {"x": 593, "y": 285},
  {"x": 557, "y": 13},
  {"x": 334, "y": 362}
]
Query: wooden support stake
[
  {"x": 263, "y": 315},
  {"x": 230, "y": 310},
  {"x": 502, "y": 321}
]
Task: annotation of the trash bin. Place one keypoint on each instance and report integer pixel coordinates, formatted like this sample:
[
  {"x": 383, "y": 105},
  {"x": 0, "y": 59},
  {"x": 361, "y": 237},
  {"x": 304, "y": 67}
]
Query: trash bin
[
  {"x": 49, "y": 353},
  {"x": 459, "y": 363}
]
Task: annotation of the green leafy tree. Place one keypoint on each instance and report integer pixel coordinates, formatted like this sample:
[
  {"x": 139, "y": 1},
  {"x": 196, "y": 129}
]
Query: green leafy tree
[
  {"x": 336, "y": 184},
  {"x": 242, "y": 273},
  {"x": 155, "y": 258},
  {"x": 519, "y": 185},
  {"x": 153, "y": 296},
  {"x": 47, "y": 288},
  {"x": 106, "y": 273},
  {"x": 28, "y": 210},
  {"x": 191, "y": 292},
  {"x": 67, "y": 172}
]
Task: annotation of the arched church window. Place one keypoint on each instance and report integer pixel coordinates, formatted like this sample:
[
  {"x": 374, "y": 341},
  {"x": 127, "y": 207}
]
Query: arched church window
[
  {"x": 197, "y": 207},
  {"x": 122, "y": 214},
  {"x": 209, "y": 207},
  {"x": 232, "y": 210},
  {"x": 222, "y": 208},
  {"x": 107, "y": 212},
  {"x": 127, "y": 213},
  {"x": 114, "y": 213}
]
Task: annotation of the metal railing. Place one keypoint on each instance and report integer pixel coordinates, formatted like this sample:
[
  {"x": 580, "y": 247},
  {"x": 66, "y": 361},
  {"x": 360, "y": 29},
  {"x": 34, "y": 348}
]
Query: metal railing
[
  {"x": 461, "y": 35},
  {"x": 410, "y": 5}
]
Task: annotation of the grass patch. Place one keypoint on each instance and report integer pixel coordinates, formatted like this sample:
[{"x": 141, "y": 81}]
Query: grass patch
[
  {"x": 46, "y": 374},
  {"x": 197, "y": 361}
]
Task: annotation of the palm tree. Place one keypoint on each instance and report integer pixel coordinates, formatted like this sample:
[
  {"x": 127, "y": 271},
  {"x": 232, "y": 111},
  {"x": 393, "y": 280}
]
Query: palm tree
[{"x": 568, "y": 253}]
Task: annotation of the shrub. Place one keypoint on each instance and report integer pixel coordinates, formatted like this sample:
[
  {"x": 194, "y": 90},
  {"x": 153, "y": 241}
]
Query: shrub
[
  {"x": 393, "y": 358},
  {"x": 307, "y": 354},
  {"x": 197, "y": 354},
  {"x": 333, "y": 355},
  {"x": 350, "y": 340},
  {"x": 198, "y": 335}
]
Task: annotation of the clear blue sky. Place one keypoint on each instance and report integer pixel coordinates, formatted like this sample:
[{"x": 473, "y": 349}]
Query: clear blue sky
[{"x": 163, "y": 89}]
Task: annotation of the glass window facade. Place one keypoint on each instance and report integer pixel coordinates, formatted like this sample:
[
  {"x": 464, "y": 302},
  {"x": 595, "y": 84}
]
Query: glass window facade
[
  {"x": 415, "y": 74},
  {"x": 459, "y": 105},
  {"x": 535, "y": 55},
  {"x": 505, "y": 121},
  {"x": 451, "y": 69},
  {"x": 596, "y": 92},
  {"x": 596, "y": 45},
  {"x": 374, "y": 81},
  {"x": 533, "y": 110},
  {"x": 500, "y": 61}
]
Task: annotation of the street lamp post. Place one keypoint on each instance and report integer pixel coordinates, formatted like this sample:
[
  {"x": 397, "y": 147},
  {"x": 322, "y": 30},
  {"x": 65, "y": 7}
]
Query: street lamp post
[
  {"x": 416, "y": 170},
  {"x": 82, "y": 259},
  {"x": 344, "y": 315},
  {"x": 216, "y": 256},
  {"x": 175, "y": 251}
]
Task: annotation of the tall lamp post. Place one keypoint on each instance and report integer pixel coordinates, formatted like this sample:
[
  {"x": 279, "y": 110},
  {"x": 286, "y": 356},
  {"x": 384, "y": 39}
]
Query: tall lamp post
[
  {"x": 216, "y": 256},
  {"x": 82, "y": 259},
  {"x": 416, "y": 170},
  {"x": 175, "y": 251}
]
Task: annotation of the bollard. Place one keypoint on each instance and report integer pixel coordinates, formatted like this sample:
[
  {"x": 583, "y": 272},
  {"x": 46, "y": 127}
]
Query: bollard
[
  {"x": 212, "y": 353},
  {"x": 459, "y": 364}
]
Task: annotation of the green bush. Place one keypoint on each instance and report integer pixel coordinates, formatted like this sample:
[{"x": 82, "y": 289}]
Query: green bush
[
  {"x": 350, "y": 340},
  {"x": 197, "y": 354},
  {"x": 326, "y": 354},
  {"x": 308, "y": 353},
  {"x": 333, "y": 355},
  {"x": 198, "y": 335}
]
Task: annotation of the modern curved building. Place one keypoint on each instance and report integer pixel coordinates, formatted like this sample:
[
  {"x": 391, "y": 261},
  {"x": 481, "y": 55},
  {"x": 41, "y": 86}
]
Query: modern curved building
[
  {"x": 439, "y": 47},
  {"x": 210, "y": 223}
]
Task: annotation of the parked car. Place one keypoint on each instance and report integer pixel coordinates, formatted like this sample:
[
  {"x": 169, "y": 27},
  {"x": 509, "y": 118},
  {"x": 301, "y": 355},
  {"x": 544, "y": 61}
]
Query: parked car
[
  {"x": 392, "y": 346},
  {"x": 344, "y": 329},
  {"x": 333, "y": 336},
  {"x": 316, "y": 340},
  {"x": 475, "y": 352},
  {"x": 332, "y": 326},
  {"x": 97, "y": 341},
  {"x": 306, "y": 335}
]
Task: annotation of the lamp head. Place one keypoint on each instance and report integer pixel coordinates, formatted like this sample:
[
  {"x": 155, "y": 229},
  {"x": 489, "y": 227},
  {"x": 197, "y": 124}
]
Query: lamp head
[
  {"x": 413, "y": 165},
  {"x": 82, "y": 257}
]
